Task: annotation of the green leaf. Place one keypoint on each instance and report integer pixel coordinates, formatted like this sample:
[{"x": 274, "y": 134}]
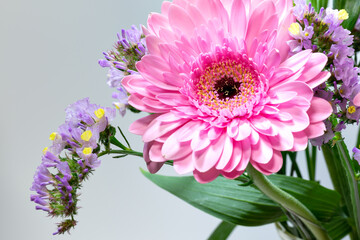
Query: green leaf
[
  {"x": 246, "y": 205},
  {"x": 338, "y": 227},
  {"x": 342, "y": 175},
  {"x": 223, "y": 199},
  {"x": 222, "y": 231}
]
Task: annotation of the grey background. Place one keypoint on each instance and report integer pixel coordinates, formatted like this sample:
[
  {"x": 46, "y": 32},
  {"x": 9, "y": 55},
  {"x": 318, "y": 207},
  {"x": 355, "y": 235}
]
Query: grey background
[{"x": 48, "y": 59}]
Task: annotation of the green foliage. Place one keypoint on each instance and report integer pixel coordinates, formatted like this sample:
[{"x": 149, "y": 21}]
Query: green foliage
[
  {"x": 223, "y": 198},
  {"x": 246, "y": 205}
]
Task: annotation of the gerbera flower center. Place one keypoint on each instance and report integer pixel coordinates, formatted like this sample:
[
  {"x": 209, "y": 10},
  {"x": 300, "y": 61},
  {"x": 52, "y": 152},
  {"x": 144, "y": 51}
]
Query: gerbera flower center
[
  {"x": 227, "y": 87},
  {"x": 228, "y": 82}
]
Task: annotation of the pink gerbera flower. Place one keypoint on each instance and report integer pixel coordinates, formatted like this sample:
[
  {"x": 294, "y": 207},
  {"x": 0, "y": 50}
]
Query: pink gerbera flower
[{"x": 223, "y": 90}]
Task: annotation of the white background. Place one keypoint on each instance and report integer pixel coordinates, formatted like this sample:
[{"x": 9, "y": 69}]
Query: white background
[{"x": 48, "y": 60}]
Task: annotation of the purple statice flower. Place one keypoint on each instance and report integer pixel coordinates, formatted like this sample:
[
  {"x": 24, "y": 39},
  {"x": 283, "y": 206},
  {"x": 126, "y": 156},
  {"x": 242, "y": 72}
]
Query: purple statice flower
[
  {"x": 340, "y": 126},
  {"x": 121, "y": 61},
  {"x": 357, "y": 25},
  {"x": 42, "y": 178},
  {"x": 356, "y": 152},
  {"x": 122, "y": 100},
  {"x": 82, "y": 114},
  {"x": 328, "y": 135},
  {"x": 70, "y": 159},
  {"x": 302, "y": 37},
  {"x": 322, "y": 32},
  {"x": 115, "y": 77},
  {"x": 300, "y": 9},
  {"x": 332, "y": 18}
]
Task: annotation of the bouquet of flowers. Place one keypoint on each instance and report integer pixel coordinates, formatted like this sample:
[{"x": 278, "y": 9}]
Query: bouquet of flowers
[{"x": 233, "y": 90}]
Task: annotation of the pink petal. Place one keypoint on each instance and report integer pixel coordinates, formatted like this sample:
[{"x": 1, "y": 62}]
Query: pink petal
[
  {"x": 165, "y": 7},
  {"x": 273, "y": 60},
  {"x": 173, "y": 149},
  {"x": 152, "y": 44},
  {"x": 300, "y": 141},
  {"x": 155, "y": 152},
  {"x": 263, "y": 126},
  {"x": 356, "y": 100},
  {"x": 188, "y": 131},
  {"x": 153, "y": 167},
  {"x": 136, "y": 101},
  {"x": 139, "y": 126},
  {"x": 246, "y": 155},
  {"x": 184, "y": 165},
  {"x": 200, "y": 141},
  {"x": 300, "y": 89},
  {"x": 300, "y": 119},
  {"x": 196, "y": 15},
  {"x": 254, "y": 136},
  {"x": 157, "y": 21},
  {"x": 232, "y": 175},
  {"x": 238, "y": 22},
  {"x": 226, "y": 153},
  {"x": 157, "y": 129},
  {"x": 283, "y": 34},
  {"x": 172, "y": 99},
  {"x": 215, "y": 132},
  {"x": 178, "y": 18},
  {"x": 205, "y": 177},
  {"x": 256, "y": 22},
  {"x": 319, "y": 110},
  {"x": 297, "y": 61},
  {"x": 314, "y": 66},
  {"x": 233, "y": 128},
  {"x": 152, "y": 69},
  {"x": 235, "y": 158},
  {"x": 207, "y": 158},
  {"x": 137, "y": 84},
  {"x": 281, "y": 97},
  {"x": 315, "y": 130},
  {"x": 243, "y": 131},
  {"x": 272, "y": 166},
  {"x": 262, "y": 152},
  {"x": 284, "y": 140},
  {"x": 319, "y": 79},
  {"x": 211, "y": 9}
]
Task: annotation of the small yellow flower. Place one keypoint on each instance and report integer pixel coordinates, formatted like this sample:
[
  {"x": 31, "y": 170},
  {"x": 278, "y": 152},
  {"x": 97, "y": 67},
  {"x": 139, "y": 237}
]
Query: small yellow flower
[
  {"x": 99, "y": 113},
  {"x": 85, "y": 136},
  {"x": 52, "y": 136},
  {"x": 343, "y": 15},
  {"x": 87, "y": 150},
  {"x": 351, "y": 109},
  {"x": 45, "y": 150},
  {"x": 294, "y": 29}
]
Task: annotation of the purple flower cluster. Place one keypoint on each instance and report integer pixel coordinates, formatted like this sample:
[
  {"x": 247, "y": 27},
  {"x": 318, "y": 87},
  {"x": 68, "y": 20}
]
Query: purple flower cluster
[
  {"x": 121, "y": 61},
  {"x": 69, "y": 160},
  {"x": 322, "y": 32}
]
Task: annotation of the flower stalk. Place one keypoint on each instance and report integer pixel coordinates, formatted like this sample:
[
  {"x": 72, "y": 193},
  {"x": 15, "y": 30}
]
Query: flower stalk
[{"x": 288, "y": 202}]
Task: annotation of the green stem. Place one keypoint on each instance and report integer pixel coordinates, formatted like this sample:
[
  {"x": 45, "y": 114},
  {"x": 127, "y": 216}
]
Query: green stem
[
  {"x": 358, "y": 139},
  {"x": 311, "y": 161},
  {"x": 127, "y": 152},
  {"x": 288, "y": 202},
  {"x": 113, "y": 140},
  {"x": 222, "y": 231},
  {"x": 294, "y": 165}
]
